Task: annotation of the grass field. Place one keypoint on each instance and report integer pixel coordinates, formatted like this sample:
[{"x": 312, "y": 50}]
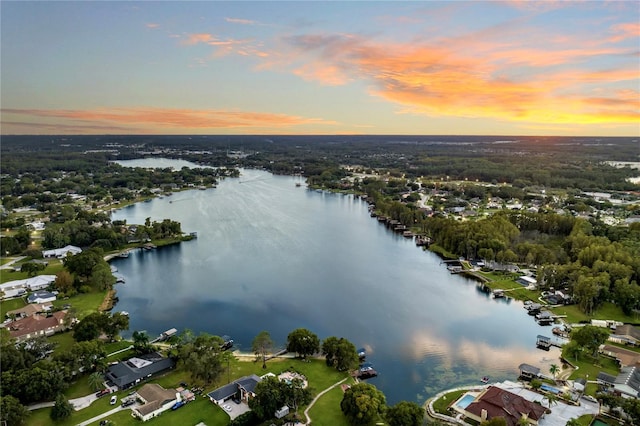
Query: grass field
[
  {"x": 11, "y": 304},
  {"x": 441, "y": 404},
  {"x": 326, "y": 411},
  {"x": 83, "y": 303}
]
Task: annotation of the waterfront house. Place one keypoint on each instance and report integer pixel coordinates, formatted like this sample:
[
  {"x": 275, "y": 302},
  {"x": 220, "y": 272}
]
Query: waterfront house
[
  {"x": 527, "y": 281},
  {"x": 242, "y": 389},
  {"x": 41, "y": 296},
  {"x": 29, "y": 310},
  {"x": 37, "y": 325},
  {"x": 495, "y": 402},
  {"x": 61, "y": 253},
  {"x": 132, "y": 371},
  {"x": 156, "y": 400}
]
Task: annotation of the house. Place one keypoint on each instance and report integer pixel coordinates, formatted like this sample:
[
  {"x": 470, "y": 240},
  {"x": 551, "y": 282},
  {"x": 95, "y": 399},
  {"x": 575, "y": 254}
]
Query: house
[
  {"x": 29, "y": 310},
  {"x": 242, "y": 389},
  {"x": 132, "y": 371},
  {"x": 496, "y": 402},
  {"x": 37, "y": 325},
  {"x": 627, "y": 383},
  {"x": 19, "y": 288},
  {"x": 41, "y": 296},
  {"x": 626, "y": 334},
  {"x": 527, "y": 281},
  {"x": 61, "y": 253},
  {"x": 625, "y": 357},
  {"x": 156, "y": 400}
]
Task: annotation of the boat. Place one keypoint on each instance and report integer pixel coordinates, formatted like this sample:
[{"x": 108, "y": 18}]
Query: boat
[
  {"x": 228, "y": 343},
  {"x": 298, "y": 184},
  {"x": 362, "y": 353},
  {"x": 123, "y": 254},
  {"x": 485, "y": 379}
]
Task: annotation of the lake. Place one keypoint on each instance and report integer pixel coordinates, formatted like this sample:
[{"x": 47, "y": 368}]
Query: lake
[{"x": 274, "y": 256}]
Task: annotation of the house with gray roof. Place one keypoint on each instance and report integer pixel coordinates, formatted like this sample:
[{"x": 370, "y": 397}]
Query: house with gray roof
[
  {"x": 626, "y": 383},
  {"x": 243, "y": 389},
  {"x": 132, "y": 371},
  {"x": 626, "y": 334}
]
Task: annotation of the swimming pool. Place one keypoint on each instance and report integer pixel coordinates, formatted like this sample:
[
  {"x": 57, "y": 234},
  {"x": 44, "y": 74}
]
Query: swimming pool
[
  {"x": 550, "y": 389},
  {"x": 465, "y": 401}
]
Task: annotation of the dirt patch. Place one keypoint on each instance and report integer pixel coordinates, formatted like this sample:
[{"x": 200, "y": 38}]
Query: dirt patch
[{"x": 107, "y": 303}]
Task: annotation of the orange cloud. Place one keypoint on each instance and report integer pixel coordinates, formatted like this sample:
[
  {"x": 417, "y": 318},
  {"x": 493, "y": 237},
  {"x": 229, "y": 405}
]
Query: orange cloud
[
  {"x": 482, "y": 79},
  {"x": 152, "y": 25},
  {"x": 172, "y": 118},
  {"x": 625, "y": 30}
]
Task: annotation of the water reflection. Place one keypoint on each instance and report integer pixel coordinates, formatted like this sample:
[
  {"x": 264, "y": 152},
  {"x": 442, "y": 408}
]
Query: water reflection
[{"x": 270, "y": 255}]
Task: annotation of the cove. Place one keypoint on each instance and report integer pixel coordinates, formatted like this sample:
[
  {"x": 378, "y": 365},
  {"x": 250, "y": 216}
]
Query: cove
[{"x": 274, "y": 256}]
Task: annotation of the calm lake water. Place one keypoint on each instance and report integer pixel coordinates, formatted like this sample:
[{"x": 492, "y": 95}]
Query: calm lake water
[{"x": 273, "y": 256}]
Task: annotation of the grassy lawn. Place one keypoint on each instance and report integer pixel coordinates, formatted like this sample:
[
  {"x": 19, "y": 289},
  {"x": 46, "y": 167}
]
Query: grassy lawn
[
  {"x": 591, "y": 367},
  {"x": 83, "y": 303},
  {"x": 63, "y": 341},
  {"x": 326, "y": 411},
  {"x": 116, "y": 346},
  {"x": 11, "y": 304},
  {"x": 441, "y": 405},
  {"x": 608, "y": 311}
]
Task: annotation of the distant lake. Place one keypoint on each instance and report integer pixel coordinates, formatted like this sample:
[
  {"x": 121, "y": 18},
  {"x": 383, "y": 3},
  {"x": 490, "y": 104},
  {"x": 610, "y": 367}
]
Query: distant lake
[{"x": 274, "y": 256}]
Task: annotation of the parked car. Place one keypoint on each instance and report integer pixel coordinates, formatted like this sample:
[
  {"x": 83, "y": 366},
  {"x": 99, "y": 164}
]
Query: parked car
[
  {"x": 177, "y": 405},
  {"x": 128, "y": 402},
  {"x": 113, "y": 400},
  {"x": 103, "y": 392}
]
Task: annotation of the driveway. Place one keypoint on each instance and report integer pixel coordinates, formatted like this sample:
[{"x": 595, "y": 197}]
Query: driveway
[{"x": 233, "y": 409}]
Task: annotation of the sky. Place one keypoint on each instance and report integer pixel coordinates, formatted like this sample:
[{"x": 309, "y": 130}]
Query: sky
[{"x": 309, "y": 67}]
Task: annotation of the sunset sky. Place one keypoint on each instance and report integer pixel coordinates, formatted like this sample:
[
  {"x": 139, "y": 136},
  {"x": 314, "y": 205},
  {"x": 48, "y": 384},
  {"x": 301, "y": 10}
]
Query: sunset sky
[{"x": 302, "y": 67}]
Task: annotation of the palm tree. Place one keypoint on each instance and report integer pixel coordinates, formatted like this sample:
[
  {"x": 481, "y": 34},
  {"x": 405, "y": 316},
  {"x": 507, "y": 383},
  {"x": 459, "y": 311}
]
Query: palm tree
[
  {"x": 95, "y": 380},
  {"x": 523, "y": 421},
  {"x": 554, "y": 369},
  {"x": 551, "y": 398}
]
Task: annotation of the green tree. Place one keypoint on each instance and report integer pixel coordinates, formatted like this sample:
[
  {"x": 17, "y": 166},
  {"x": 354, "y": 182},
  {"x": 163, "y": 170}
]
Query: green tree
[
  {"x": 270, "y": 396},
  {"x": 203, "y": 357},
  {"x": 116, "y": 323},
  {"x": 296, "y": 394},
  {"x": 554, "y": 370},
  {"x": 62, "y": 409},
  {"x": 590, "y": 338},
  {"x": 141, "y": 342},
  {"x": 363, "y": 404},
  {"x": 12, "y": 412},
  {"x": 405, "y": 413},
  {"x": 262, "y": 345},
  {"x": 303, "y": 342},
  {"x": 64, "y": 281},
  {"x": 340, "y": 353},
  {"x": 95, "y": 380}
]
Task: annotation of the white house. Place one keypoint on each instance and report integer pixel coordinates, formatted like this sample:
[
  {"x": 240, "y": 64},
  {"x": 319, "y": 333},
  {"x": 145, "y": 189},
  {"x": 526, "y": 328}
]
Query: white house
[
  {"x": 156, "y": 401},
  {"x": 61, "y": 253},
  {"x": 20, "y": 287}
]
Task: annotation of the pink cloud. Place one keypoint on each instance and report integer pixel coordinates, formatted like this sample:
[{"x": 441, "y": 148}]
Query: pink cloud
[{"x": 171, "y": 117}]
